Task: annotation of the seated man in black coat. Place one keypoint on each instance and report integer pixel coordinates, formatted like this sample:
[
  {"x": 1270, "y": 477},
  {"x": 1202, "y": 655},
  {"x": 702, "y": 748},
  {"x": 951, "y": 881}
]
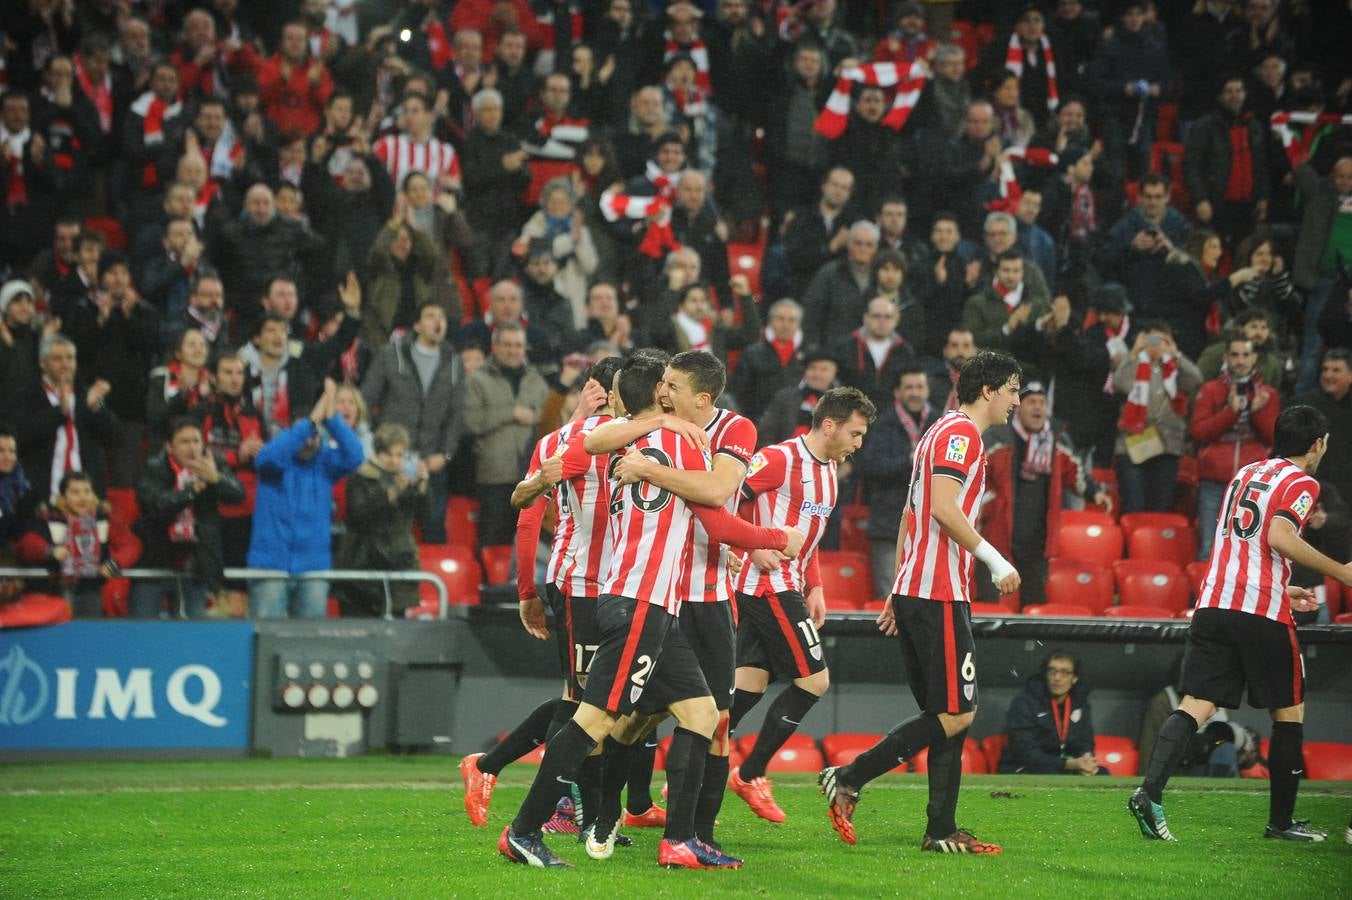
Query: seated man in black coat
[{"x": 1049, "y": 724}]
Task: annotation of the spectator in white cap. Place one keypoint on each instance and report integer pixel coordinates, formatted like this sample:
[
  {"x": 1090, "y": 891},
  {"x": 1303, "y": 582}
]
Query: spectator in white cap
[{"x": 18, "y": 336}]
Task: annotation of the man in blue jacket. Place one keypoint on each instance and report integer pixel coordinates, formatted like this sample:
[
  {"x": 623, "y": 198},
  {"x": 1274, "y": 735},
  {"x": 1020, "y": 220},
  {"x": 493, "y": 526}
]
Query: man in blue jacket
[{"x": 293, "y": 511}]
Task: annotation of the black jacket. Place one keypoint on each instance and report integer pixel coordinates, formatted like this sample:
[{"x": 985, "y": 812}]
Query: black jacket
[
  {"x": 759, "y": 375},
  {"x": 161, "y": 502},
  {"x": 495, "y": 207},
  {"x": 1034, "y": 747},
  {"x": 883, "y": 464},
  {"x": 35, "y": 422},
  {"x": 857, "y": 369},
  {"x": 1207, "y": 162}
]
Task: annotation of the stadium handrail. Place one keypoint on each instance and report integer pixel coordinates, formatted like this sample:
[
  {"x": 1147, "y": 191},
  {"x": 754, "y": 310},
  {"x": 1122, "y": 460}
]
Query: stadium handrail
[{"x": 385, "y": 577}]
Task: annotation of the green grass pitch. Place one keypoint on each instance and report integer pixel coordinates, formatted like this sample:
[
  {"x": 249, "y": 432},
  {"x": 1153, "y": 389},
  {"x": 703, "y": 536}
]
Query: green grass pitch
[{"x": 395, "y": 827}]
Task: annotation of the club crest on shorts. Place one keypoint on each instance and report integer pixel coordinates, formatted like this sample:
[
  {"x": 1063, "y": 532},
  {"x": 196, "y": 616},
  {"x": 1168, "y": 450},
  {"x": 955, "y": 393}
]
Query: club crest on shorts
[
  {"x": 1302, "y": 505},
  {"x": 968, "y": 690},
  {"x": 957, "y": 448},
  {"x": 816, "y": 651},
  {"x": 634, "y": 693}
]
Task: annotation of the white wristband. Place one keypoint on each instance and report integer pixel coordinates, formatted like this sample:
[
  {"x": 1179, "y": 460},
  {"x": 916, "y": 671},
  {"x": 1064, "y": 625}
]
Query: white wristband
[{"x": 1000, "y": 567}]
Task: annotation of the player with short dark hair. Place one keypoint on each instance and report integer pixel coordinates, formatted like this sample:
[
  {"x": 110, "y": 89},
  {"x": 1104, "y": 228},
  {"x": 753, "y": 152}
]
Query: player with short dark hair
[
  {"x": 930, "y": 610},
  {"x": 1242, "y": 632},
  {"x": 780, "y": 606},
  {"x": 643, "y": 664}
]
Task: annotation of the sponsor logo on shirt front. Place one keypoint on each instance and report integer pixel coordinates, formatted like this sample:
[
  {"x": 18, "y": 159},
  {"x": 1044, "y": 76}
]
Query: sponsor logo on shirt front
[{"x": 815, "y": 509}]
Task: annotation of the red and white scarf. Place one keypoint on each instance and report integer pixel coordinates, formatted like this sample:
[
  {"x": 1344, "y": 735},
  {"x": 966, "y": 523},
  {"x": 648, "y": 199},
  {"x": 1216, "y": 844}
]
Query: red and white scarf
[
  {"x": 183, "y": 530},
  {"x": 17, "y": 187},
  {"x": 153, "y": 112},
  {"x": 659, "y": 238},
  {"x": 699, "y": 55},
  {"x": 1138, "y": 398},
  {"x": 173, "y": 384},
  {"x": 1014, "y": 63},
  {"x": 205, "y": 195},
  {"x": 1039, "y": 450},
  {"x": 66, "y": 451},
  {"x": 1298, "y": 148},
  {"x": 833, "y": 118},
  {"x": 224, "y": 153},
  {"x": 914, "y": 426},
  {"x": 84, "y": 537},
  {"x": 1010, "y": 192},
  {"x": 1012, "y": 296},
  {"x": 101, "y": 95},
  {"x": 696, "y": 331}
]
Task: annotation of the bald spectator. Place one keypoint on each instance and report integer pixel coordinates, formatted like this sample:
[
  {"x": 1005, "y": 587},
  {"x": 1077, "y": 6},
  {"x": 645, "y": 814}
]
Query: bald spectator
[
  {"x": 837, "y": 294},
  {"x": 963, "y": 166},
  {"x": 260, "y": 246},
  {"x": 696, "y": 225},
  {"x": 506, "y": 306},
  {"x": 819, "y": 233},
  {"x": 636, "y": 143},
  {"x": 873, "y": 356}
]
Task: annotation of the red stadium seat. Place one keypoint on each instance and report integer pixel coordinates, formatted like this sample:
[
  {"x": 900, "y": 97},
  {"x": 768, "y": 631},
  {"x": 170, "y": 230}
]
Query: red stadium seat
[
  {"x": 841, "y": 749},
  {"x": 745, "y": 259},
  {"x": 1118, "y": 754},
  {"x": 1093, "y": 543},
  {"x": 846, "y": 579},
  {"x": 1059, "y": 609},
  {"x": 1091, "y": 516},
  {"x": 1132, "y": 521},
  {"x": 1335, "y": 597},
  {"x": 1196, "y": 572},
  {"x": 1124, "y": 567},
  {"x": 1160, "y": 542},
  {"x": 973, "y": 759},
  {"x": 116, "y": 592},
  {"x": 874, "y": 606},
  {"x": 1161, "y": 589},
  {"x": 1328, "y": 761},
  {"x": 462, "y": 522},
  {"x": 797, "y": 741},
  {"x": 1166, "y": 122},
  {"x": 1139, "y": 612},
  {"x": 1070, "y": 581},
  {"x": 796, "y": 759},
  {"x": 111, "y": 229},
  {"x": 994, "y": 748},
  {"x": 1343, "y": 619},
  {"x": 990, "y": 609},
  {"x": 456, "y": 567},
  {"x": 854, "y": 529},
  {"x": 497, "y": 563}
]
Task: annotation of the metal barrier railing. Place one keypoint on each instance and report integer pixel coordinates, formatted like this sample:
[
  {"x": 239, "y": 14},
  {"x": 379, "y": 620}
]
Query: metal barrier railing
[{"x": 386, "y": 578}]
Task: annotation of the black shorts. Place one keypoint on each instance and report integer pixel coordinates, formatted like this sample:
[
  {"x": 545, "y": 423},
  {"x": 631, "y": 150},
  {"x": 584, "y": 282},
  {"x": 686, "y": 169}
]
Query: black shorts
[
  {"x": 643, "y": 662},
  {"x": 775, "y": 633},
  {"x": 1228, "y": 649},
  {"x": 708, "y": 629},
  {"x": 939, "y": 653},
  {"x": 577, "y": 637}
]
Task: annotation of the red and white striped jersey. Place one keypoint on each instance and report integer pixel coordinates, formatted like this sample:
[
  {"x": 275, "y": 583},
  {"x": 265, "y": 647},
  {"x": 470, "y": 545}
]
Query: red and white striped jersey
[
  {"x": 933, "y": 565},
  {"x": 551, "y": 445},
  {"x": 791, "y": 487},
  {"x": 402, "y": 155},
  {"x": 1245, "y": 573},
  {"x": 651, "y": 527},
  {"x": 583, "y": 501},
  {"x": 708, "y": 578}
]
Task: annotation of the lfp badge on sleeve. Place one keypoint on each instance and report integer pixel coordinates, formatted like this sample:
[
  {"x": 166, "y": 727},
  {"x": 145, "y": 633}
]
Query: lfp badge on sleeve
[{"x": 126, "y": 685}]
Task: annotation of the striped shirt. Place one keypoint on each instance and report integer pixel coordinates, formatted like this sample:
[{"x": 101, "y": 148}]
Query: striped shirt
[
  {"x": 933, "y": 565},
  {"x": 1245, "y": 573},
  {"x": 547, "y": 447},
  {"x": 708, "y": 578},
  {"x": 790, "y": 487},
  {"x": 402, "y": 156},
  {"x": 583, "y": 501}
]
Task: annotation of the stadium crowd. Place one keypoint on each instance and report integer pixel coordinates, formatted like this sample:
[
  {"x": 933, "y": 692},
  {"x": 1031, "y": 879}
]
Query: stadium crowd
[{"x": 290, "y": 276}]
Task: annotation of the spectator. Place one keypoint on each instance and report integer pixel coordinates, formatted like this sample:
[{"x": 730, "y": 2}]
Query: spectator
[
  {"x": 1264, "y": 283},
  {"x": 560, "y": 226},
  {"x": 817, "y": 235},
  {"x": 348, "y": 210},
  {"x": 1000, "y": 233},
  {"x": 962, "y": 166},
  {"x": 944, "y": 101},
  {"x": 647, "y": 124},
  {"x": 416, "y": 149},
  {"x": 18, "y": 337},
  {"x": 1192, "y": 288},
  {"x": 1323, "y": 238},
  {"x": 50, "y": 266},
  {"x": 168, "y": 276},
  {"x": 458, "y": 82},
  {"x": 71, "y": 126},
  {"x": 998, "y": 313},
  {"x": 556, "y": 131},
  {"x": 605, "y": 322},
  {"x": 943, "y": 282},
  {"x": 1137, "y": 245},
  {"x": 696, "y": 225},
  {"x": 789, "y": 412},
  {"x": 514, "y": 79},
  {"x": 883, "y": 465},
  {"x": 293, "y": 510},
  {"x": 770, "y": 364},
  {"x": 1203, "y": 40},
  {"x": 1233, "y": 418},
  {"x": 958, "y": 348},
  {"x": 1157, "y": 381},
  {"x": 1334, "y": 399},
  {"x": 29, "y": 183},
  {"x": 1071, "y": 211},
  {"x": 1114, "y": 332},
  {"x": 840, "y": 290},
  {"x": 696, "y": 325},
  {"x": 259, "y": 247},
  {"x": 402, "y": 278},
  {"x": 1131, "y": 73},
  {"x": 908, "y": 42},
  {"x": 234, "y": 430},
  {"x": 1225, "y": 165},
  {"x": 181, "y": 388},
  {"x": 179, "y": 496},
  {"x": 1062, "y": 743},
  {"x": 502, "y": 405},
  {"x": 506, "y": 306},
  {"x": 73, "y": 538},
  {"x": 384, "y": 498},
  {"x": 889, "y": 277},
  {"x": 892, "y": 218},
  {"x": 204, "y": 61},
  {"x": 1219, "y": 749},
  {"x": 16, "y": 494},
  {"x": 439, "y": 217},
  {"x": 690, "y": 111},
  {"x": 415, "y": 383},
  {"x": 872, "y": 357},
  {"x": 294, "y": 85},
  {"x": 870, "y": 148},
  {"x": 798, "y": 155},
  {"x": 81, "y": 284},
  {"x": 495, "y": 174},
  {"x": 205, "y": 312},
  {"x": 1014, "y": 125},
  {"x": 813, "y": 25},
  {"x": 1033, "y": 240},
  {"x": 1033, "y": 58},
  {"x": 1254, "y": 326},
  {"x": 1033, "y": 474}
]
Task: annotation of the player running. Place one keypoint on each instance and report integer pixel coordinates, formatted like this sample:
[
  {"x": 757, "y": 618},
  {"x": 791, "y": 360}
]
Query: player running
[
  {"x": 693, "y": 381},
  {"x": 781, "y": 605},
  {"x": 643, "y": 663},
  {"x": 1242, "y": 632},
  {"x": 930, "y": 607},
  {"x": 580, "y": 550}
]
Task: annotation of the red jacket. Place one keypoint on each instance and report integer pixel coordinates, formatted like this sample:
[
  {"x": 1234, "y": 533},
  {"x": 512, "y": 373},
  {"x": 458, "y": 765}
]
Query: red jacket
[
  {"x": 1221, "y": 452},
  {"x": 293, "y": 103},
  {"x": 997, "y": 512}
]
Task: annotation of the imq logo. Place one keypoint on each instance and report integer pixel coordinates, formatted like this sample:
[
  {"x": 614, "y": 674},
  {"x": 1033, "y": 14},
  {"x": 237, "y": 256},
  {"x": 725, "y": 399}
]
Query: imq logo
[{"x": 27, "y": 691}]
